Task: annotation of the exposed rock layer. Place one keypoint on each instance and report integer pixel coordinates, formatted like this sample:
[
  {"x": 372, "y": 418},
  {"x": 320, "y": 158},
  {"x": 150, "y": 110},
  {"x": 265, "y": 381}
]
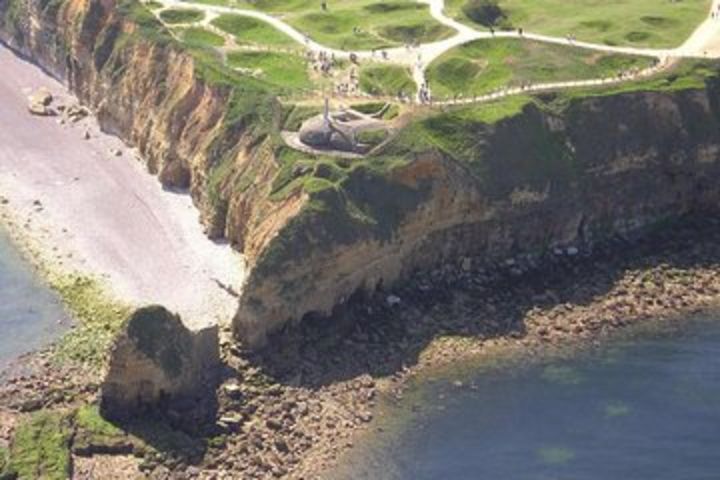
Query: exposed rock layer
[
  {"x": 593, "y": 168},
  {"x": 602, "y": 166},
  {"x": 155, "y": 357}
]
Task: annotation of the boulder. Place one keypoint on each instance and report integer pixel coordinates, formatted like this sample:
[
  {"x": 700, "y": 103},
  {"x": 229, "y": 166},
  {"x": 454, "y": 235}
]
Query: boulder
[
  {"x": 156, "y": 358},
  {"x": 41, "y": 96},
  {"x": 39, "y": 103}
]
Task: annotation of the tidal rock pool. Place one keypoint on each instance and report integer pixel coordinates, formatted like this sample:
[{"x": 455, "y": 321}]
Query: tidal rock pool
[
  {"x": 31, "y": 315},
  {"x": 643, "y": 408}
]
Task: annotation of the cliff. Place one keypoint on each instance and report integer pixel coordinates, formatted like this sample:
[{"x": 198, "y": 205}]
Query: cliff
[
  {"x": 197, "y": 125},
  {"x": 557, "y": 172},
  {"x": 490, "y": 180}
]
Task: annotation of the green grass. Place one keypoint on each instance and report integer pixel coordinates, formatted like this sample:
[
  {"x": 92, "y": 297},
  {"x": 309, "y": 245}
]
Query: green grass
[
  {"x": 4, "y": 460},
  {"x": 482, "y": 66},
  {"x": 251, "y": 31},
  {"x": 372, "y": 108},
  {"x": 99, "y": 320},
  {"x": 174, "y": 16},
  {"x": 380, "y": 79},
  {"x": 201, "y": 37},
  {"x": 356, "y": 24},
  {"x": 688, "y": 74},
  {"x": 41, "y": 447},
  {"x": 289, "y": 72},
  {"x": 88, "y": 418},
  {"x": 93, "y": 433},
  {"x": 647, "y": 23}
]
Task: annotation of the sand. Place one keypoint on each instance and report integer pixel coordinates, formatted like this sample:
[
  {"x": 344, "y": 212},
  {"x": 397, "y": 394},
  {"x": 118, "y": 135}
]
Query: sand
[{"x": 103, "y": 215}]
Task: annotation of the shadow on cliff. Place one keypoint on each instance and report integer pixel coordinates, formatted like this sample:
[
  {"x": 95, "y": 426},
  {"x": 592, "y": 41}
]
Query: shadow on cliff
[
  {"x": 369, "y": 336},
  {"x": 177, "y": 429}
]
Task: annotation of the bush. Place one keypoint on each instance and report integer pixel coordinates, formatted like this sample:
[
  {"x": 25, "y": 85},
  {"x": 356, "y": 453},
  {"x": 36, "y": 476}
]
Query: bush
[{"x": 485, "y": 12}]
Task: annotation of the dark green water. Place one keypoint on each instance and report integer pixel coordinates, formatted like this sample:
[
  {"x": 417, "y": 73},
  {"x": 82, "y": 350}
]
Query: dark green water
[
  {"x": 30, "y": 314},
  {"x": 642, "y": 409}
]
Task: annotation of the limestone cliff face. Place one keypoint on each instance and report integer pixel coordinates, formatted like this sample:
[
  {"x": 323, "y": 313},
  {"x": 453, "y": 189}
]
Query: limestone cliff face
[
  {"x": 594, "y": 167},
  {"x": 148, "y": 90},
  {"x": 598, "y": 167}
]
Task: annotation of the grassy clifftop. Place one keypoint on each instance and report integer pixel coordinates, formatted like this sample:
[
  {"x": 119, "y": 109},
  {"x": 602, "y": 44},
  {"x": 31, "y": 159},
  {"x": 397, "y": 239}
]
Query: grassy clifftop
[
  {"x": 359, "y": 199},
  {"x": 221, "y": 129}
]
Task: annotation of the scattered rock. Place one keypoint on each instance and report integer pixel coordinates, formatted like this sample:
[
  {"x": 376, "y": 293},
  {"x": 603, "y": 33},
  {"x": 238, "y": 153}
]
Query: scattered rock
[
  {"x": 393, "y": 300},
  {"x": 41, "y": 96},
  {"x": 39, "y": 102},
  {"x": 233, "y": 390},
  {"x": 75, "y": 113}
]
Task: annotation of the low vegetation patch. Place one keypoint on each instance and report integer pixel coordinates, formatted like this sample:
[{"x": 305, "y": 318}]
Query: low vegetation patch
[
  {"x": 93, "y": 434},
  {"x": 383, "y": 110},
  {"x": 201, "y": 37},
  {"x": 373, "y": 137},
  {"x": 41, "y": 447},
  {"x": 251, "y": 31},
  {"x": 99, "y": 320},
  {"x": 645, "y": 23},
  {"x": 486, "y": 13},
  {"x": 483, "y": 66},
  {"x": 286, "y": 71},
  {"x": 181, "y": 15},
  {"x": 390, "y": 80},
  {"x": 356, "y": 24}
]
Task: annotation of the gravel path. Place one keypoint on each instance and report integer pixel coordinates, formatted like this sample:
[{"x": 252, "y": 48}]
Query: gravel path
[{"x": 704, "y": 42}]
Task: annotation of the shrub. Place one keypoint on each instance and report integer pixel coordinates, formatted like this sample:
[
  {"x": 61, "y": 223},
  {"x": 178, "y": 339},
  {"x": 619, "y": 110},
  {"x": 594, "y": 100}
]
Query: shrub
[{"x": 485, "y": 12}]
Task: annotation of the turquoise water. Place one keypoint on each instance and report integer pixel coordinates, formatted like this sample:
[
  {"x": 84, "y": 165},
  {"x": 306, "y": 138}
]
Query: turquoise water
[
  {"x": 646, "y": 409},
  {"x": 30, "y": 314}
]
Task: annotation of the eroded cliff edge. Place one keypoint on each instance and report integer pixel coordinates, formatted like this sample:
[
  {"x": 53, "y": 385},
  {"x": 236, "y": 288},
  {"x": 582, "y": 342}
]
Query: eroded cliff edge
[
  {"x": 490, "y": 180},
  {"x": 548, "y": 175}
]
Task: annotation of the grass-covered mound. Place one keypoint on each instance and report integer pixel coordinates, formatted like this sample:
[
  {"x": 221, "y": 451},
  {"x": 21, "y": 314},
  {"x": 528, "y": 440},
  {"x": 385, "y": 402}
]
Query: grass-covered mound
[
  {"x": 251, "y": 31},
  {"x": 482, "y": 66},
  {"x": 648, "y": 23},
  {"x": 181, "y": 15},
  {"x": 392, "y": 80},
  {"x": 201, "y": 37},
  {"x": 286, "y": 71},
  {"x": 354, "y": 24}
]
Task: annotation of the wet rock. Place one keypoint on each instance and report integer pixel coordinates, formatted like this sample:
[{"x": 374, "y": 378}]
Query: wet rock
[
  {"x": 393, "y": 300},
  {"x": 233, "y": 391},
  {"x": 231, "y": 422}
]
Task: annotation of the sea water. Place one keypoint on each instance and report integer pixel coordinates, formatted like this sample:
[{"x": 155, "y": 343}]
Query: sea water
[
  {"x": 31, "y": 315},
  {"x": 643, "y": 408}
]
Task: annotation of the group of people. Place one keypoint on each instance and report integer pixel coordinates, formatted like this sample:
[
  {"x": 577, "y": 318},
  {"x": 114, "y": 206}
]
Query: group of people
[
  {"x": 350, "y": 85},
  {"x": 715, "y": 14},
  {"x": 321, "y": 62}
]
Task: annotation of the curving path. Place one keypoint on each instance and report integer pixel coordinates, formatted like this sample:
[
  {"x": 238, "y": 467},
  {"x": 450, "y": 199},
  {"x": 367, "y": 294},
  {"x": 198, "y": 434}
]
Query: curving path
[{"x": 703, "y": 43}]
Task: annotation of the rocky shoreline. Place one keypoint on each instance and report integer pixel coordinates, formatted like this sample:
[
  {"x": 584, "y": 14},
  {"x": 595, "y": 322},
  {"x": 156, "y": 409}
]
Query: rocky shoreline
[{"x": 292, "y": 411}]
